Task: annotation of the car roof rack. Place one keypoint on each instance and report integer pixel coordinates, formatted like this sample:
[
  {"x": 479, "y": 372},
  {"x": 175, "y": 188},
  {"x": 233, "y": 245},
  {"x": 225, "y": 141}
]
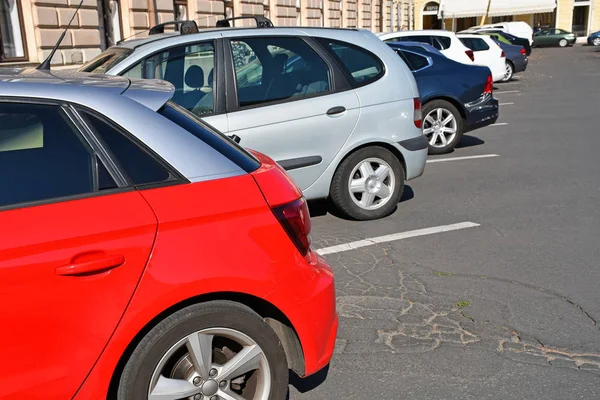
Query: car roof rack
[
  {"x": 185, "y": 27},
  {"x": 261, "y": 22}
]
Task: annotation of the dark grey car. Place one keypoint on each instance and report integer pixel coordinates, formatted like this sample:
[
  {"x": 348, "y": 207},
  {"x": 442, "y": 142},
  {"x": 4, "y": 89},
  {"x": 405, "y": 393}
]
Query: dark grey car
[{"x": 516, "y": 59}]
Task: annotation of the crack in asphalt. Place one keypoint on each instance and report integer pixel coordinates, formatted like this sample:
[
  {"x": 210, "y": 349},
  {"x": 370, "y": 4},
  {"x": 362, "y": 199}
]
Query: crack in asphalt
[{"x": 413, "y": 319}]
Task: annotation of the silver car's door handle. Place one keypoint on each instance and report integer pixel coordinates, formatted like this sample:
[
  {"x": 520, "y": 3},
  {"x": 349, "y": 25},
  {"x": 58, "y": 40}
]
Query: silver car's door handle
[{"x": 336, "y": 110}]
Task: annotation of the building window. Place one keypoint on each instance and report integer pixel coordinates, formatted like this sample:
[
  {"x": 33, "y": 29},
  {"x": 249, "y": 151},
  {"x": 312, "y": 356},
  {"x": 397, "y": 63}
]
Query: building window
[
  {"x": 111, "y": 32},
  {"x": 180, "y": 7},
  {"x": 12, "y": 37}
]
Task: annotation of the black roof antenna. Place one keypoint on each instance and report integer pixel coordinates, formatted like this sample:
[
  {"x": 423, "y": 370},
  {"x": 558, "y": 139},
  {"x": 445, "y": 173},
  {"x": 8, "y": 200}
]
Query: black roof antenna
[{"x": 45, "y": 65}]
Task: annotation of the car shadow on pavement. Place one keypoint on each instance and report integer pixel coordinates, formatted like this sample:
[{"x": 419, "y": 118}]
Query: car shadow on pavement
[
  {"x": 304, "y": 385},
  {"x": 322, "y": 207},
  {"x": 469, "y": 141}
]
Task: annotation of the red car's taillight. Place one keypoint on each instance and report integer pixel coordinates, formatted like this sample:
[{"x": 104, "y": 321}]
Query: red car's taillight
[
  {"x": 489, "y": 85},
  {"x": 503, "y": 55},
  {"x": 418, "y": 116},
  {"x": 471, "y": 55},
  {"x": 523, "y": 51},
  {"x": 295, "y": 219}
]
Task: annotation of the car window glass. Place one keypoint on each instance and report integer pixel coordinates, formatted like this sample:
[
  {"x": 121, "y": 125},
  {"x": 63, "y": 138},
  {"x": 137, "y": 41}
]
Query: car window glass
[
  {"x": 422, "y": 39},
  {"x": 414, "y": 61},
  {"x": 43, "y": 156},
  {"x": 362, "y": 66},
  {"x": 277, "y": 68},
  {"x": 190, "y": 69},
  {"x": 106, "y": 60},
  {"x": 444, "y": 42},
  {"x": 475, "y": 44},
  {"x": 140, "y": 167},
  {"x": 134, "y": 72}
]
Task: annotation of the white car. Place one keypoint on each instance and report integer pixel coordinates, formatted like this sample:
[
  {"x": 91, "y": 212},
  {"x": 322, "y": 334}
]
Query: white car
[
  {"x": 446, "y": 42},
  {"x": 516, "y": 28},
  {"x": 487, "y": 53}
]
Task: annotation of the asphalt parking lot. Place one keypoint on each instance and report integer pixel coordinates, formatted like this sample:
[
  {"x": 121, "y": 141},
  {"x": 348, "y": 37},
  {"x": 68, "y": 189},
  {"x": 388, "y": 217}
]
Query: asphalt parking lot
[{"x": 484, "y": 283}]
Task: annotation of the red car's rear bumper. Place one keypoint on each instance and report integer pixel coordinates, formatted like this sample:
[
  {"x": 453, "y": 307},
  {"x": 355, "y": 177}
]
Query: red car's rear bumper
[{"x": 310, "y": 306}]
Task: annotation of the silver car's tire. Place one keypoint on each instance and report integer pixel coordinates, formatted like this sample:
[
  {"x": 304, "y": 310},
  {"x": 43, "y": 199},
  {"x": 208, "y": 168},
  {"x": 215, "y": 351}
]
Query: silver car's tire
[
  {"x": 596, "y": 41},
  {"x": 563, "y": 43},
  {"x": 218, "y": 348},
  {"x": 368, "y": 184},
  {"x": 443, "y": 125},
  {"x": 509, "y": 71}
]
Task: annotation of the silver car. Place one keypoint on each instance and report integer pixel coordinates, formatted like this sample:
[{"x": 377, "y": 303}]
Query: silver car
[{"x": 336, "y": 108}]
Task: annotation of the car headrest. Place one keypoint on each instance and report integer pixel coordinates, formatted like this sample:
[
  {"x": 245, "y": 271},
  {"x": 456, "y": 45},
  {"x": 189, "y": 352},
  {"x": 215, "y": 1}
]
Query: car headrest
[
  {"x": 194, "y": 77},
  {"x": 210, "y": 77}
]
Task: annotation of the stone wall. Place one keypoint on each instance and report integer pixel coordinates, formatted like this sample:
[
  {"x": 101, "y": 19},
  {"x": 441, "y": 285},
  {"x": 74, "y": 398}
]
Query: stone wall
[{"x": 80, "y": 44}]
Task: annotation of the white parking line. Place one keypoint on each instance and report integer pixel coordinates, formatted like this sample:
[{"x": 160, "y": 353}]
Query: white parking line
[
  {"x": 395, "y": 236},
  {"x": 508, "y": 91},
  {"x": 506, "y": 104},
  {"x": 436, "y": 160}
]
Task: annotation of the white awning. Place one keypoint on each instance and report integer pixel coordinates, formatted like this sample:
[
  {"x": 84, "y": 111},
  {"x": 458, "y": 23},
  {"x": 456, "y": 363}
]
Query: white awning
[
  {"x": 477, "y": 8},
  {"x": 462, "y": 8},
  {"x": 510, "y": 7}
]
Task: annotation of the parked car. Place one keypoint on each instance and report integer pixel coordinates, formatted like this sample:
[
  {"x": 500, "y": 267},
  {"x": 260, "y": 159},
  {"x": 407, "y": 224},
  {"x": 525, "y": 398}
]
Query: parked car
[
  {"x": 487, "y": 53},
  {"x": 554, "y": 37},
  {"x": 453, "y": 106},
  {"x": 145, "y": 283},
  {"x": 517, "y": 28},
  {"x": 516, "y": 59},
  {"x": 336, "y": 108},
  {"x": 508, "y": 39},
  {"x": 594, "y": 39},
  {"x": 444, "y": 41}
]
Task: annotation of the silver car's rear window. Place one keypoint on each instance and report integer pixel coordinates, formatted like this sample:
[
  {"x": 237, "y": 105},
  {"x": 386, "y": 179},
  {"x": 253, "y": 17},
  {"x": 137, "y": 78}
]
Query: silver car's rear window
[{"x": 106, "y": 60}]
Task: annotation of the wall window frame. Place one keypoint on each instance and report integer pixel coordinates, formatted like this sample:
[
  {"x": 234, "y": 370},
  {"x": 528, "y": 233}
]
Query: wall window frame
[
  {"x": 25, "y": 56},
  {"x": 178, "y": 6}
]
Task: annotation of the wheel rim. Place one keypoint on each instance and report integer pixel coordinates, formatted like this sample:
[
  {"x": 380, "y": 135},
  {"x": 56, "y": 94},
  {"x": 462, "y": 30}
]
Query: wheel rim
[
  {"x": 372, "y": 183},
  {"x": 508, "y": 71},
  {"x": 440, "y": 127},
  {"x": 596, "y": 42},
  {"x": 214, "y": 363},
  {"x": 562, "y": 43}
]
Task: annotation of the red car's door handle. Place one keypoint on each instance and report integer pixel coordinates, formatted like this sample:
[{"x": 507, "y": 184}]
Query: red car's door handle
[{"x": 92, "y": 266}]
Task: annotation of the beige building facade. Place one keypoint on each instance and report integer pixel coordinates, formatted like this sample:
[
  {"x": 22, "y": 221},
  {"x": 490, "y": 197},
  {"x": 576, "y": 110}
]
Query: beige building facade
[{"x": 30, "y": 28}]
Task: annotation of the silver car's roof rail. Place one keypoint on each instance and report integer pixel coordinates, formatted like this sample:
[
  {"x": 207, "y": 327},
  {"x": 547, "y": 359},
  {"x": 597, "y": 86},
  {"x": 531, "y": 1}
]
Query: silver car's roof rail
[
  {"x": 185, "y": 27},
  {"x": 261, "y": 22}
]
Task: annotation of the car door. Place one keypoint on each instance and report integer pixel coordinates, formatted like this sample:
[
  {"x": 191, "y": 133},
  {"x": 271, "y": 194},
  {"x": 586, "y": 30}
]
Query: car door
[
  {"x": 190, "y": 68},
  {"x": 73, "y": 245},
  {"x": 288, "y": 102},
  {"x": 543, "y": 38}
]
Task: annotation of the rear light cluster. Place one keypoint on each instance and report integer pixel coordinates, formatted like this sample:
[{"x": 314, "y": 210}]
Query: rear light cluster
[
  {"x": 294, "y": 217},
  {"x": 489, "y": 85},
  {"x": 503, "y": 55},
  {"x": 523, "y": 51},
  {"x": 471, "y": 55},
  {"x": 418, "y": 115}
]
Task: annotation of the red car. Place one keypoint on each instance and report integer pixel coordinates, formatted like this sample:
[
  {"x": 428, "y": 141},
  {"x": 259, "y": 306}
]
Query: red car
[{"x": 145, "y": 255}]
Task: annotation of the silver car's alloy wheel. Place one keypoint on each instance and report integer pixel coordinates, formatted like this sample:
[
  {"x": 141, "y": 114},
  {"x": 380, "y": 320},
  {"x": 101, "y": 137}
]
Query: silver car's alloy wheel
[
  {"x": 508, "y": 72},
  {"x": 212, "y": 364},
  {"x": 596, "y": 41},
  {"x": 563, "y": 43},
  {"x": 372, "y": 183},
  {"x": 440, "y": 127}
]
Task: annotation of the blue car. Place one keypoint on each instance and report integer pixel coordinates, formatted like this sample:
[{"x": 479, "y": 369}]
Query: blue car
[
  {"x": 516, "y": 59},
  {"x": 594, "y": 39},
  {"x": 456, "y": 97}
]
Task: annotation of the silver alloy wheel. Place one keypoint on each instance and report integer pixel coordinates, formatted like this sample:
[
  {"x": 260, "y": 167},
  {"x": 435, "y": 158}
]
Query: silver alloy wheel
[
  {"x": 440, "y": 127},
  {"x": 202, "y": 366},
  {"x": 563, "y": 43},
  {"x": 508, "y": 72},
  {"x": 372, "y": 183},
  {"x": 596, "y": 41}
]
